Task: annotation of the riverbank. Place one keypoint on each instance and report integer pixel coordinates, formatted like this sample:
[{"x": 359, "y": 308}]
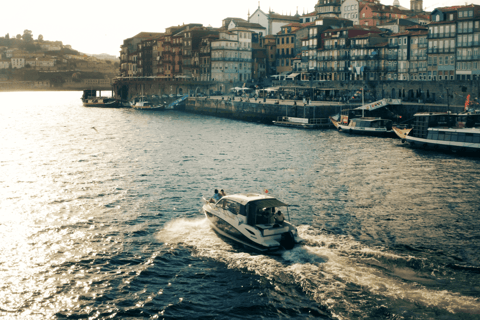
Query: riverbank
[{"x": 256, "y": 110}]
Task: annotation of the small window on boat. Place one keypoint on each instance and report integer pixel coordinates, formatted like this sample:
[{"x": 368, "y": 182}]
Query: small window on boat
[
  {"x": 447, "y": 136},
  {"x": 441, "y": 136},
  {"x": 468, "y": 137},
  {"x": 434, "y": 135},
  {"x": 454, "y": 136},
  {"x": 430, "y": 135},
  {"x": 233, "y": 207},
  {"x": 476, "y": 138},
  {"x": 461, "y": 137}
]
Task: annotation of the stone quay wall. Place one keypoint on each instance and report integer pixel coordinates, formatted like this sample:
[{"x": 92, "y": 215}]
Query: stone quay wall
[{"x": 268, "y": 112}]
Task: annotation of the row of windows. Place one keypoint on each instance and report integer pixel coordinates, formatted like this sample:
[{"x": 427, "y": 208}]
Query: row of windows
[
  {"x": 284, "y": 62},
  {"x": 454, "y": 136},
  {"x": 288, "y": 40}
]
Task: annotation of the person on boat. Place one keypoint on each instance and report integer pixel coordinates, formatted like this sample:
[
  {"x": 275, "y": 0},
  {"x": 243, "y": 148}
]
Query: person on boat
[
  {"x": 279, "y": 218},
  {"x": 216, "y": 197},
  {"x": 222, "y": 193}
]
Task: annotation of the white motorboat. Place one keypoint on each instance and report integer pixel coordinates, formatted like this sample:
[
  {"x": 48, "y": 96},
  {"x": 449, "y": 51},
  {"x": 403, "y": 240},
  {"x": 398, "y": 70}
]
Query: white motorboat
[{"x": 251, "y": 219}]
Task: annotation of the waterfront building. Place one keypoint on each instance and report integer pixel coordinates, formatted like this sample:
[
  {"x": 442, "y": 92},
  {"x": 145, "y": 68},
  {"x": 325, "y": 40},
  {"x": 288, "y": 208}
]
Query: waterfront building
[
  {"x": 333, "y": 58},
  {"x": 259, "y": 56},
  {"x": 232, "y": 55},
  {"x": 309, "y": 17},
  {"x": 350, "y": 9},
  {"x": 442, "y": 34},
  {"x": 232, "y": 23},
  {"x": 205, "y": 57},
  {"x": 128, "y": 51},
  {"x": 328, "y": 8},
  {"x": 315, "y": 42},
  {"x": 377, "y": 14},
  {"x": 286, "y": 47},
  {"x": 398, "y": 25},
  {"x": 365, "y": 59},
  {"x": 271, "y": 21},
  {"x": 468, "y": 43},
  {"x": 418, "y": 53},
  {"x": 270, "y": 44}
]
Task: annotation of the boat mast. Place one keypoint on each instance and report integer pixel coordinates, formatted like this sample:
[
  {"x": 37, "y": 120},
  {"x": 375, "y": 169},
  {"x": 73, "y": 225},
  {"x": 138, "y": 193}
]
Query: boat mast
[{"x": 363, "y": 103}]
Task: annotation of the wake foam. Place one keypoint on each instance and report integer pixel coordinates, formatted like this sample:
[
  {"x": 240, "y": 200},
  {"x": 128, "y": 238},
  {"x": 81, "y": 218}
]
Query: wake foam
[{"x": 329, "y": 268}]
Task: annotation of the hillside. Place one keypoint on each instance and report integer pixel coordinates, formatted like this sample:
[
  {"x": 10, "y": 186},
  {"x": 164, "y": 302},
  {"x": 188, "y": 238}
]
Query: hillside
[{"x": 53, "y": 64}]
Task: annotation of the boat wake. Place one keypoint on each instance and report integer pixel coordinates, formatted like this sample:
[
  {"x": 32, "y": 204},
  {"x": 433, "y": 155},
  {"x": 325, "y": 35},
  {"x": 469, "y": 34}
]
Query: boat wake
[{"x": 339, "y": 273}]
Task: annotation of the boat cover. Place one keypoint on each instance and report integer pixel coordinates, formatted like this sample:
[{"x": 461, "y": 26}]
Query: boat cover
[{"x": 269, "y": 203}]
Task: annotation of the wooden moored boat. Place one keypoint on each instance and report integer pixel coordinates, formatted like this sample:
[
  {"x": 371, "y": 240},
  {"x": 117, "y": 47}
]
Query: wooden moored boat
[
  {"x": 90, "y": 99},
  {"x": 401, "y": 133}
]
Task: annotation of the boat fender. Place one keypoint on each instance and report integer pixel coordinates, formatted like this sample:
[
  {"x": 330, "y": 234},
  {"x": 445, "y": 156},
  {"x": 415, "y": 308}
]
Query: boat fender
[
  {"x": 403, "y": 140},
  {"x": 288, "y": 240}
]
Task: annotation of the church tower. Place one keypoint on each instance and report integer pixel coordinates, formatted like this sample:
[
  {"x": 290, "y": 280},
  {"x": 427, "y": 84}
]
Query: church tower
[{"x": 416, "y": 5}]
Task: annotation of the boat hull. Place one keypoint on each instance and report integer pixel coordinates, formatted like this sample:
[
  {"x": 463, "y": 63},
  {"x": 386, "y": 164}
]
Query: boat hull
[
  {"x": 376, "y": 132},
  {"x": 149, "y": 108},
  {"x": 334, "y": 122},
  {"x": 226, "y": 229},
  {"x": 401, "y": 133},
  {"x": 112, "y": 104},
  {"x": 438, "y": 145}
]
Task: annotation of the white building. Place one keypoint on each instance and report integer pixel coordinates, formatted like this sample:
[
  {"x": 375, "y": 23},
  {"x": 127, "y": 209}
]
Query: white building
[
  {"x": 18, "y": 63},
  {"x": 232, "y": 56},
  {"x": 272, "y": 21},
  {"x": 350, "y": 10}
]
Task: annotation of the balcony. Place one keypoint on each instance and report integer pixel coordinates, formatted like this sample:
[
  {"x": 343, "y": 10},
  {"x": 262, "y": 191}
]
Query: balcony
[
  {"x": 393, "y": 45},
  {"x": 392, "y": 57}
]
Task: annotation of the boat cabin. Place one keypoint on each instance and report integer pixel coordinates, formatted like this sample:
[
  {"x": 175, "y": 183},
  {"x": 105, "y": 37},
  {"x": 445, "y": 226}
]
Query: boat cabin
[
  {"x": 255, "y": 208},
  {"x": 348, "y": 114},
  {"x": 371, "y": 123},
  {"x": 89, "y": 94},
  {"x": 424, "y": 121}
]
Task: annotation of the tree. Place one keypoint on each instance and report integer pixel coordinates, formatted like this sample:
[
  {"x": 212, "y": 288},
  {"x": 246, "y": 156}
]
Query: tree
[
  {"x": 7, "y": 36},
  {"x": 27, "y": 35},
  {"x": 40, "y": 38},
  {"x": 19, "y": 36}
]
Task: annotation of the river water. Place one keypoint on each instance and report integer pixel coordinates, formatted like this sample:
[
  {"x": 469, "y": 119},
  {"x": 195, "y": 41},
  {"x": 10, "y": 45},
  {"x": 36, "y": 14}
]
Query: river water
[{"x": 100, "y": 217}]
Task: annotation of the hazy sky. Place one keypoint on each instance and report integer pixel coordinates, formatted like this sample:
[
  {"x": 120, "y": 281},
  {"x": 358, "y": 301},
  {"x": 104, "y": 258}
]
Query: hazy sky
[{"x": 100, "y": 26}]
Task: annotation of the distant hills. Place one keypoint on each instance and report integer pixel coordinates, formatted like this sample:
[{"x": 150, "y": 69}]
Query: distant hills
[{"x": 104, "y": 56}]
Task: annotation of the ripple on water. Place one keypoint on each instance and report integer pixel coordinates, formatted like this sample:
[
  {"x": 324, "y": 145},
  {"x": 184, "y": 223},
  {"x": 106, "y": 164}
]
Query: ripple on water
[{"x": 106, "y": 223}]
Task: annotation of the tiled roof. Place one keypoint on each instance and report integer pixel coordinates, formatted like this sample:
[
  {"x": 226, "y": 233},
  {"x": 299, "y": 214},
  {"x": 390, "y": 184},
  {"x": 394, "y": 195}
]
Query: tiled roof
[
  {"x": 282, "y": 17},
  {"x": 249, "y": 25}
]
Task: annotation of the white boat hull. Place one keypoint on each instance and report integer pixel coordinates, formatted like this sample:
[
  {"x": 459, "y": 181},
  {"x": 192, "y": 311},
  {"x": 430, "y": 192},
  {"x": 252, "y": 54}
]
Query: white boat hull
[{"x": 260, "y": 237}]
